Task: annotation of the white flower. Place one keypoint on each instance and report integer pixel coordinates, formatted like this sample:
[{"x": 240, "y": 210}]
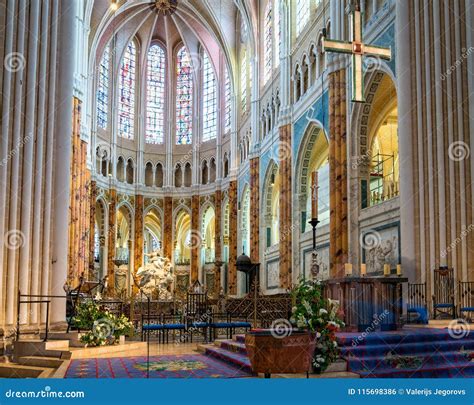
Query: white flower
[
  {"x": 322, "y": 311},
  {"x": 318, "y": 335},
  {"x": 293, "y": 309},
  {"x": 308, "y": 307},
  {"x": 335, "y": 343}
]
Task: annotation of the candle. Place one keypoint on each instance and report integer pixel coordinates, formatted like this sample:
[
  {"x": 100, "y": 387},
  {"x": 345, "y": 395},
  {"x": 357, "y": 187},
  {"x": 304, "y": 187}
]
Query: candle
[
  {"x": 348, "y": 269},
  {"x": 314, "y": 197},
  {"x": 386, "y": 269},
  {"x": 363, "y": 269},
  {"x": 399, "y": 269}
]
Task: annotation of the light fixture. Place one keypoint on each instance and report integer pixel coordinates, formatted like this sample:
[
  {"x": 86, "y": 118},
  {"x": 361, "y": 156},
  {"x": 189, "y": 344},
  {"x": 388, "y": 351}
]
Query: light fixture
[
  {"x": 165, "y": 7},
  {"x": 114, "y": 5}
]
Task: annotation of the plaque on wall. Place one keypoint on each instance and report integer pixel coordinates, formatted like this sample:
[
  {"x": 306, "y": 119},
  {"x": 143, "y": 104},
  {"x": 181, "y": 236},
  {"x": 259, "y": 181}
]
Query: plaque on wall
[
  {"x": 380, "y": 246},
  {"x": 273, "y": 274},
  {"x": 322, "y": 260}
]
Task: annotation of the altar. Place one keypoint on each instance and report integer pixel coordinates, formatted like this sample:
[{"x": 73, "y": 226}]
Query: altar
[{"x": 368, "y": 303}]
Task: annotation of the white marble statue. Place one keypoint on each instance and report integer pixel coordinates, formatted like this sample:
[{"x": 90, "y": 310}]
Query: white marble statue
[{"x": 156, "y": 277}]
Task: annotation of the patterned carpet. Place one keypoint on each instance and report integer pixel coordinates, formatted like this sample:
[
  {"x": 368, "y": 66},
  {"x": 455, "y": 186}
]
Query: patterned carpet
[{"x": 171, "y": 366}]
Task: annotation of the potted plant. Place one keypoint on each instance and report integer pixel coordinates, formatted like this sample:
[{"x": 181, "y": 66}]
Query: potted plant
[
  {"x": 320, "y": 315},
  {"x": 103, "y": 327}
]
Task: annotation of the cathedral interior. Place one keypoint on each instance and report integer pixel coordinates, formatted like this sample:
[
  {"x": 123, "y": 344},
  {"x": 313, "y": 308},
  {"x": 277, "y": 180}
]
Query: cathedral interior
[{"x": 216, "y": 154}]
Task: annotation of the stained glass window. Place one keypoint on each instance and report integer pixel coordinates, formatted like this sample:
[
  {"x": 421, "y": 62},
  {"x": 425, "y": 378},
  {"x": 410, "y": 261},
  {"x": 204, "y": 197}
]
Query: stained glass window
[
  {"x": 302, "y": 14},
  {"x": 243, "y": 80},
  {"x": 277, "y": 32},
  {"x": 184, "y": 98},
  {"x": 267, "y": 42},
  {"x": 126, "y": 107},
  {"x": 209, "y": 100},
  {"x": 227, "y": 101},
  {"x": 103, "y": 89},
  {"x": 155, "y": 111}
]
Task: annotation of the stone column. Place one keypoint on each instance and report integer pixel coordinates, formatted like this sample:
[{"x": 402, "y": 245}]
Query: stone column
[
  {"x": 80, "y": 203},
  {"x": 111, "y": 238},
  {"x": 255, "y": 210},
  {"x": 168, "y": 227},
  {"x": 405, "y": 141},
  {"x": 285, "y": 207},
  {"x": 92, "y": 213},
  {"x": 196, "y": 239},
  {"x": 233, "y": 208},
  {"x": 218, "y": 238},
  {"x": 138, "y": 249},
  {"x": 338, "y": 173},
  {"x": 62, "y": 156}
]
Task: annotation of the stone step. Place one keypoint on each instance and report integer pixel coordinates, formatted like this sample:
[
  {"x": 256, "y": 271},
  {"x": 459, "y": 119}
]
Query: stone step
[
  {"x": 13, "y": 370},
  {"x": 90, "y": 352},
  {"x": 58, "y": 349},
  {"x": 40, "y": 361},
  {"x": 73, "y": 338}
]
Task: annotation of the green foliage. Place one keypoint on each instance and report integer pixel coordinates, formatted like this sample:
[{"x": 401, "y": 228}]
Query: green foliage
[
  {"x": 103, "y": 327},
  {"x": 319, "y": 315}
]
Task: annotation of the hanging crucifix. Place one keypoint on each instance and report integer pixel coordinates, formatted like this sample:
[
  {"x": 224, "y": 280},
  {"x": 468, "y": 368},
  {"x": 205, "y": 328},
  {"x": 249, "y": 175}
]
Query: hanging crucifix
[{"x": 357, "y": 49}]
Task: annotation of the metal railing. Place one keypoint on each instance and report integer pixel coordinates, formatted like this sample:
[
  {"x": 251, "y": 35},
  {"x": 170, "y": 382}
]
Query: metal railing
[{"x": 34, "y": 299}]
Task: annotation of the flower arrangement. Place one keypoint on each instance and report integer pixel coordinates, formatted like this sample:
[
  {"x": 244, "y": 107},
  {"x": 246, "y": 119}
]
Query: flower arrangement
[
  {"x": 317, "y": 314},
  {"x": 405, "y": 362},
  {"x": 103, "y": 327}
]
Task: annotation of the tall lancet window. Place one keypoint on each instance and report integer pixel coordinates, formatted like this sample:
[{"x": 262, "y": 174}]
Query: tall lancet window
[
  {"x": 267, "y": 42},
  {"x": 184, "y": 98},
  {"x": 227, "y": 101},
  {"x": 127, "y": 82},
  {"x": 277, "y": 19},
  {"x": 243, "y": 81},
  {"x": 103, "y": 89},
  {"x": 302, "y": 14},
  {"x": 209, "y": 100},
  {"x": 155, "y": 111}
]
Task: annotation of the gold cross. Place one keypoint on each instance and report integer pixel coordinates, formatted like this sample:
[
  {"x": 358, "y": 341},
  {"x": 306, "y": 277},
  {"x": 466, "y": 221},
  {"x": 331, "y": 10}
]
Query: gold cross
[{"x": 357, "y": 49}]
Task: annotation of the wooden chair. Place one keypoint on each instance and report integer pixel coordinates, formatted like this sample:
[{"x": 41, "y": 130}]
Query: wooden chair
[
  {"x": 466, "y": 299},
  {"x": 417, "y": 303},
  {"x": 443, "y": 297}
]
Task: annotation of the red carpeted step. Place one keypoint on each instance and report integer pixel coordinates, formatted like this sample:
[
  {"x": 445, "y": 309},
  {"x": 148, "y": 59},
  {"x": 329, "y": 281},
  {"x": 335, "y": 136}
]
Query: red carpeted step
[
  {"x": 232, "y": 346},
  {"x": 237, "y": 360},
  {"x": 239, "y": 338},
  {"x": 419, "y": 353}
]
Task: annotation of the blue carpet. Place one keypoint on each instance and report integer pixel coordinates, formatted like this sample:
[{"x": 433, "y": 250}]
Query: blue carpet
[{"x": 410, "y": 353}]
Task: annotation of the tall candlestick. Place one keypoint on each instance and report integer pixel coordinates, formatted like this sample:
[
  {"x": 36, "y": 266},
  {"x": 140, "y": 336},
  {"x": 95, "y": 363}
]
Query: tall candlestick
[
  {"x": 363, "y": 269},
  {"x": 314, "y": 198}
]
